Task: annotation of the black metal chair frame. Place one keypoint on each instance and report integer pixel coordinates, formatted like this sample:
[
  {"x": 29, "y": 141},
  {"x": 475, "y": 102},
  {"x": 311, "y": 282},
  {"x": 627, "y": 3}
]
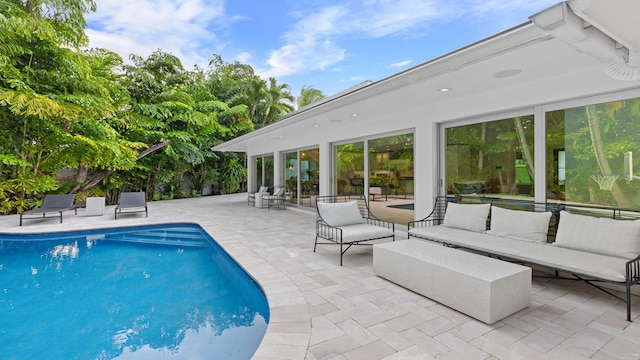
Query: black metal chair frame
[
  {"x": 53, "y": 203},
  {"x": 272, "y": 199},
  {"x": 436, "y": 217},
  {"x": 333, "y": 235},
  {"x": 251, "y": 197}
]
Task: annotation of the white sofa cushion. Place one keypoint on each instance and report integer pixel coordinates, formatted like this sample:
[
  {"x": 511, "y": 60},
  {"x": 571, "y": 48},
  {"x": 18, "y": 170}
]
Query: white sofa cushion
[
  {"x": 619, "y": 238},
  {"x": 472, "y": 217},
  {"x": 340, "y": 214},
  {"x": 520, "y": 225},
  {"x": 575, "y": 261}
]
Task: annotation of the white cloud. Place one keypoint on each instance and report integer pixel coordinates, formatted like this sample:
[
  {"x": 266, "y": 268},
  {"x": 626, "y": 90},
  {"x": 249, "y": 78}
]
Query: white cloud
[
  {"x": 308, "y": 45},
  {"x": 181, "y": 27},
  {"x": 312, "y": 43},
  {"x": 244, "y": 57},
  {"x": 401, "y": 63}
]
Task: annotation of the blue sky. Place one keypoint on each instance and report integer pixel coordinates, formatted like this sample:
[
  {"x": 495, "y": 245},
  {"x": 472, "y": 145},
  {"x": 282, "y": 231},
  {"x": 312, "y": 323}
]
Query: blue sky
[{"x": 327, "y": 44}]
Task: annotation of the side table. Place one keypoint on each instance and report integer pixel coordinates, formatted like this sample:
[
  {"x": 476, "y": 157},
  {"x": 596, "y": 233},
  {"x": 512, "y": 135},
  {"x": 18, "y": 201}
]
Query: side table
[{"x": 95, "y": 206}]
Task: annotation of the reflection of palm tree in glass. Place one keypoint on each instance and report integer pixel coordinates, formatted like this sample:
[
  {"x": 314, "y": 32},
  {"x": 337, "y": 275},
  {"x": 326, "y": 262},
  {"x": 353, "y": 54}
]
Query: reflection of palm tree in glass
[{"x": 595, "y": 122}]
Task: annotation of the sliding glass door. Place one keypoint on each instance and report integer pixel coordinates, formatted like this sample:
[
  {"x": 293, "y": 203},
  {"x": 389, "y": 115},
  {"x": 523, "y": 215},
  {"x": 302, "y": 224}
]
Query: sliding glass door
[{"x": 301, "y": 176}]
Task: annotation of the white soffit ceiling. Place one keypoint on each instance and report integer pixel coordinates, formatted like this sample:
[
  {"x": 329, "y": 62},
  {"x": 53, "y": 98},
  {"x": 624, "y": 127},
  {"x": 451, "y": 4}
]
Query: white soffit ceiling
[{"x": 619, "y": 19}]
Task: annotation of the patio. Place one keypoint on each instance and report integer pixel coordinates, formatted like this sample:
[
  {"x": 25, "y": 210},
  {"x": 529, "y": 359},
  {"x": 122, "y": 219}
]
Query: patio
[{"x": 320, "y": 310}]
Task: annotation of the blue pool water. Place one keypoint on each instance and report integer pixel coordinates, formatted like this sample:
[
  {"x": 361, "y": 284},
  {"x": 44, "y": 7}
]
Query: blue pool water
[{"x": 153, "y": 292}]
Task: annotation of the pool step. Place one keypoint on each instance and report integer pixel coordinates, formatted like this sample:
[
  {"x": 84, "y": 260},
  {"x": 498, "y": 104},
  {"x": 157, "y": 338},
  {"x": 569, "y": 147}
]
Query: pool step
[{"x": 187, "y": 238}]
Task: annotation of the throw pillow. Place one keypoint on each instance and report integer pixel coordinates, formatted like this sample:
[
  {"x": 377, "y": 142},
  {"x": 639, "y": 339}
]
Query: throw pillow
[
  {"x": 472, "y": 217},
  {"x": 520, "y": 225},
  {"x": 606, "y": 236}
]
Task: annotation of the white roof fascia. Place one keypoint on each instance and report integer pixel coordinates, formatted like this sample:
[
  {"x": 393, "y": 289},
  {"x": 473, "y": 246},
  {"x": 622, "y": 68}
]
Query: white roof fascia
[{"x": 509, "y": 40}]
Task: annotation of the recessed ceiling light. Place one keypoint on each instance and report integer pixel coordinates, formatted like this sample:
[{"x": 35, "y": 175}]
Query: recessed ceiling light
[
  {"x": 445, "y": 89},
  {"x": 316, "y": 125},
  {"x": 506, "y": 73},
  {"x": 355, "y": 114}
]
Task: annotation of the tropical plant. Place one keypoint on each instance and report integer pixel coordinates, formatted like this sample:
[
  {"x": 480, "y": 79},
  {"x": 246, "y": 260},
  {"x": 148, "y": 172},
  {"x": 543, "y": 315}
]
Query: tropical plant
[
  {"x": 309, "y": 95},
  {"x": 233, "y": 174}
]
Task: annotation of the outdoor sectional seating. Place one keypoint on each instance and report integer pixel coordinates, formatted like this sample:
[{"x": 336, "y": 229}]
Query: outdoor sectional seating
[
  {"x": 590, "y": 243},
  {"x": 345, "y": 222}
]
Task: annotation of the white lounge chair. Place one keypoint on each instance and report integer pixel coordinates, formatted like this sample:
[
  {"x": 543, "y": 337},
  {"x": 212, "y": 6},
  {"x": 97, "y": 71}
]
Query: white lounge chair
[{"x": 345, "y": 222}]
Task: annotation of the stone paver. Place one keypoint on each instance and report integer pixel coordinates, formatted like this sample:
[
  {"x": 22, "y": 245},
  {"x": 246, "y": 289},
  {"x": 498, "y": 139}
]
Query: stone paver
[{"x": 320, "y": 310}]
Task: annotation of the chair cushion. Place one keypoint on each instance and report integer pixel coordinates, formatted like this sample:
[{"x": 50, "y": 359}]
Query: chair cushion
[
  {"x": 472, "y": 217},
  {"x": 339, "y": 214},
  {"x": 619, "y": 238},
  {"x": 360, "y": 232},
  {"x": 520, "y": 225},
  {"x": 263, "y": 189}
]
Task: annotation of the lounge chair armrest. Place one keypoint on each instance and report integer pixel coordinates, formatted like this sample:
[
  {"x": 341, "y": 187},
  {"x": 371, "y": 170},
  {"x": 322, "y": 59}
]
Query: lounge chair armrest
[
  {"x": 377, "y": 222},
  {"x": 424, "y": 223},
  {"x": 633, "y": 271},
  {"x": 328, "y": 232}
]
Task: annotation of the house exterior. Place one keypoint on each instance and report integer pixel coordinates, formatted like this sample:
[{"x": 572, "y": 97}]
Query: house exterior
[{"x": 548, "y": 110}]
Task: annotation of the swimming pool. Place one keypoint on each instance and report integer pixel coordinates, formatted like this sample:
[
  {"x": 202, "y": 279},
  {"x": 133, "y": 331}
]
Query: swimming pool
[{"x": 151, "y": 292}]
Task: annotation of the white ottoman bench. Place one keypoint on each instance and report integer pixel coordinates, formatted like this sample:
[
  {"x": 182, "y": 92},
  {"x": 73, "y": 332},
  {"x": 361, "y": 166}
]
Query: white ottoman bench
[{"x": 482, "y": 287}]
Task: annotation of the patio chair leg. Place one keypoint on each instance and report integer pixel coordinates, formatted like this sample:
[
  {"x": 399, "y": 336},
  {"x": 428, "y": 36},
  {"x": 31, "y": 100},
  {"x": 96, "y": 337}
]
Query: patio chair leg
[
  {"x": 60, "y": 217},
  {"x": 628, "y": 301},
  {"x": 21, "y": 222}
]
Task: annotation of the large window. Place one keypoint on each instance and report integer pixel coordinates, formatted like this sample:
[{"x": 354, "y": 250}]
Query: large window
[
  {"x": 388, "y": 175},
  {"x": 593, "y": 154},
  {"x": 263, "y": 174},
  {"x": 301, "y": 174},
  {"x": 391, "y": 166},
  {"x": 349, "y": 169},
  {"x": 493, "y": 158}
]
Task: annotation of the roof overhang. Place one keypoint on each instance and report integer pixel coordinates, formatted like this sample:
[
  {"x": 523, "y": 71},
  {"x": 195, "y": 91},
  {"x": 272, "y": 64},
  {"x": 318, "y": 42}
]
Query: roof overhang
[{"x": 557, "y": 55}]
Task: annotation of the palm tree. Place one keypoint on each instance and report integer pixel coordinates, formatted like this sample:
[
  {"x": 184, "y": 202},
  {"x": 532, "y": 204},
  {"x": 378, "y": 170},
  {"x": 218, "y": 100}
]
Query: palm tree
[
  {"x": 309, "y": 95},
  {"x": 278, "y": 103},
  {"x": 257, "y": 94}
]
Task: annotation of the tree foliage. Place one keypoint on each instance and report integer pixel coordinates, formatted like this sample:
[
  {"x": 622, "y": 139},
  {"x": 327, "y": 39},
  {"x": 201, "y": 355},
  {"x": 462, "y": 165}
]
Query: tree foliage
[
  {"x": 79, "y": 120},
  {"x": 309, "y": 95}
]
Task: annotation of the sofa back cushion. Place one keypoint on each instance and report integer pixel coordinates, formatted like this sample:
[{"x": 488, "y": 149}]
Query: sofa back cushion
[
  {"x": 520, "y": 225},
  {"x": 341, "y": 213},
  {"x": 620, "y": 238},
  {"x": 472, "y": 217}
]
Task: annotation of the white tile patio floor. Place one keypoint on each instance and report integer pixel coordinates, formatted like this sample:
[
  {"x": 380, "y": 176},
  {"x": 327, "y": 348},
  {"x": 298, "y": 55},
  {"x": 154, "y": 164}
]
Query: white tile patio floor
[{"x": 320, "y": 310}]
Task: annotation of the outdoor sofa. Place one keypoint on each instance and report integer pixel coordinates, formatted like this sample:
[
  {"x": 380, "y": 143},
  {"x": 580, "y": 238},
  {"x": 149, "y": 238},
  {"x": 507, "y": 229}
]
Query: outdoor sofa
[
  {"x": 344, "y": 221},
  {"x": 589, "y": 243}
]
